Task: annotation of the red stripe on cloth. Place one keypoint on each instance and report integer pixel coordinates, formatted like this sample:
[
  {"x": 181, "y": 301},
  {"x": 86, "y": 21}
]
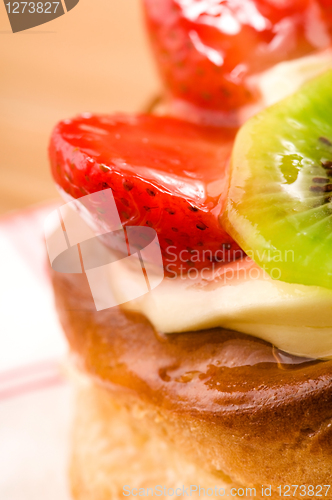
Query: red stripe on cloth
[
  {"x": 28, "y": 387},
  {"x": 31, "y": 369}
]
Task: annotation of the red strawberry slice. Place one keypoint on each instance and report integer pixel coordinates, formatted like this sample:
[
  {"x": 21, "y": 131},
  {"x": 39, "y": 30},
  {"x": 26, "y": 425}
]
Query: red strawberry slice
[
  {"x": 164, "y": 173},
  {"x": 206, "y": 49}
]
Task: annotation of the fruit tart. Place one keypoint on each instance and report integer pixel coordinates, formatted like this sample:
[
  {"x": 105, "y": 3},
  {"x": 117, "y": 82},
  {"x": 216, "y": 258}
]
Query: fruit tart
[{"x": 217, "y": 380}]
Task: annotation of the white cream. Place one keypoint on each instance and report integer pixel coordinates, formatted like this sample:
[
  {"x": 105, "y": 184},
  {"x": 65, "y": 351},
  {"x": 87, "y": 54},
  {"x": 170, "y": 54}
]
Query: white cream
[{"x": 238, "y": 296}]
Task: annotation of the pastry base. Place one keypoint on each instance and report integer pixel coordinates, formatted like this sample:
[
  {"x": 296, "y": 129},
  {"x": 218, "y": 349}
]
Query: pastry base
[{"x": 114, "y": 445}]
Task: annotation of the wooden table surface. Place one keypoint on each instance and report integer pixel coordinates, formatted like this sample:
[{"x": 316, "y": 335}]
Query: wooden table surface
[{"x": 94, "y": 58}]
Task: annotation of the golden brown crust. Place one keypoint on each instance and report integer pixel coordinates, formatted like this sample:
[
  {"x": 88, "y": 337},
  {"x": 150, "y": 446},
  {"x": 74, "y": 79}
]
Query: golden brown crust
[
  {"x": 117, "y": 444},
  {"x": 257, "y": 423},
  {"x": 121, "y": 442}
]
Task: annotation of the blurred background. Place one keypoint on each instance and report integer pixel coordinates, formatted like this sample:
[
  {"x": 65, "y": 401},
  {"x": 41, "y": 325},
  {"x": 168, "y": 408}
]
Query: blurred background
[{"x": 95, "y": 58}]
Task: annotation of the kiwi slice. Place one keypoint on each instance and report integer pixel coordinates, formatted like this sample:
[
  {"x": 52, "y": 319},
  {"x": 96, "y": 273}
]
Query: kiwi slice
[{"x": 279, "y": 208}]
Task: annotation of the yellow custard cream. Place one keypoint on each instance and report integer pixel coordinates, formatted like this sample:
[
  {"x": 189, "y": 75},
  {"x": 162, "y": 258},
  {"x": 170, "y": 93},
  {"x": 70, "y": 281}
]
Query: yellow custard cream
[{"x": 238, "y": 296}]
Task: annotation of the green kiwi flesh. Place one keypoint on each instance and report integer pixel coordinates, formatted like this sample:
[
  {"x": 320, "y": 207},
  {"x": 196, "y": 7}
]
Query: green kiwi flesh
[{"x": 279, "y": 206}]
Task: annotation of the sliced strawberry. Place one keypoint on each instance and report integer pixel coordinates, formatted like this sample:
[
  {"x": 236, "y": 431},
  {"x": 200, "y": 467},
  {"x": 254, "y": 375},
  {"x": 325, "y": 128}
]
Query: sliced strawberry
[
  {"x": 206, "y": 49},
  {"x": 164, "y": 173}
]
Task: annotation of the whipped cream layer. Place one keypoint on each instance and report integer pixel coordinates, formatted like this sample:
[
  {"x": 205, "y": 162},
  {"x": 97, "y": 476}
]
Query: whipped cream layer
[{"x": 238, "y": 296}]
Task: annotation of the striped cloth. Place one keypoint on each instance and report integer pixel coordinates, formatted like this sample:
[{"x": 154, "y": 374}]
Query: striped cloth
[{"x": 35, "y": 400}]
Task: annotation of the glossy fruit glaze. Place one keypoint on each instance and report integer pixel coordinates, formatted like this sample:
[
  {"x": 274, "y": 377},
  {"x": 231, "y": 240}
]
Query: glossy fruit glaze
[
  {"x": 207, "y": 371},
  {"x": 222, "y": 397},
  {"x": 207, "y": 49},
  {"x": 164, "y": 173}
]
